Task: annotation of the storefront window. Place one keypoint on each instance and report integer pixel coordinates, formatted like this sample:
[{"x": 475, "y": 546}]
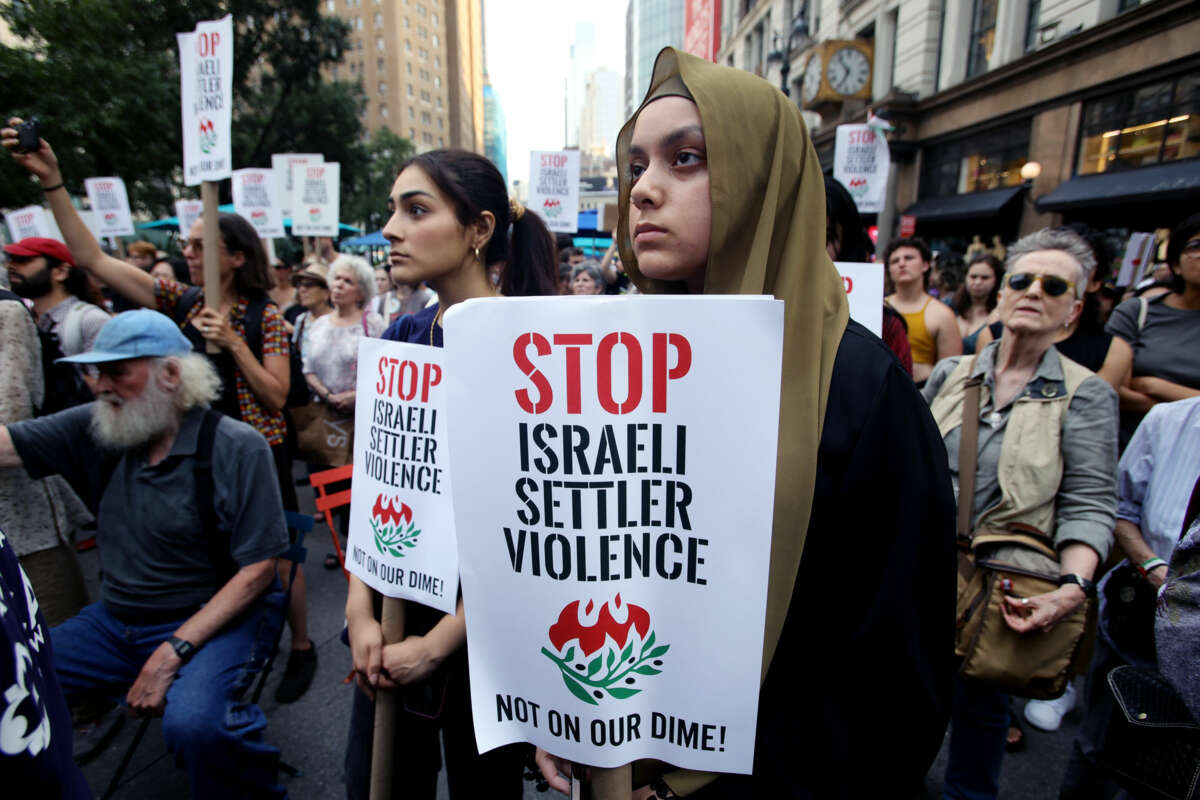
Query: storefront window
[
  {"x": 1140, "y": 127},
  {"x": 977, "y": 163}
]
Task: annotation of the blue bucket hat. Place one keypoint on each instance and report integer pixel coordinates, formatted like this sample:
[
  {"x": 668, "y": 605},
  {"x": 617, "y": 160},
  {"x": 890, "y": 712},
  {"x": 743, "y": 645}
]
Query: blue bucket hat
[{"x": 134, "y": 334}]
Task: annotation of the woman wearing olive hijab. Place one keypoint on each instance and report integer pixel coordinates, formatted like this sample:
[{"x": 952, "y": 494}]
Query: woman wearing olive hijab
[{"x": 723, "y": 194}]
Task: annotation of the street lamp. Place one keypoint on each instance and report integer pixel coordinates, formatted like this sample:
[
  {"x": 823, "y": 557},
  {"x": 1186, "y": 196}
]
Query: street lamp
[{"x": 797, "y": 39}]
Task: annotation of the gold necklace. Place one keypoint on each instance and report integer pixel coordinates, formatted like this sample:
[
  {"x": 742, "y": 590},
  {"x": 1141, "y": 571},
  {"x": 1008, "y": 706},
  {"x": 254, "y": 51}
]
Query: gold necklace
[{"x": 436, "y": 321}]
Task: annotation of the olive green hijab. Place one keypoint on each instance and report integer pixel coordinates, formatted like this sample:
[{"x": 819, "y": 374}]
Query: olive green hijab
[{"x": 768, "y": 237}]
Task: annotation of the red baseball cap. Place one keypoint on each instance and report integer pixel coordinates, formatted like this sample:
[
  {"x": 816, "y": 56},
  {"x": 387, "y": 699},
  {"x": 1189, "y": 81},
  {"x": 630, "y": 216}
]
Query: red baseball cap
[{"x": 34, "y": 246}]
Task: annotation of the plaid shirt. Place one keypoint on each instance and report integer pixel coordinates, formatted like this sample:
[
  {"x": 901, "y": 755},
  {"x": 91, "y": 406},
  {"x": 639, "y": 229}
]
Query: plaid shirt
[{"x": 274, "y": 343}]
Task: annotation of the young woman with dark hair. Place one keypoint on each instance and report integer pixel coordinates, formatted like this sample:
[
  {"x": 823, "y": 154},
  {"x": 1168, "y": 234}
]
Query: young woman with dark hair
[
  {"x": 975, "y": 299},
  {"x": 248, "y": 329},
  {"x": 932, "y": 329},
  {"x": 451, "y": 217}
]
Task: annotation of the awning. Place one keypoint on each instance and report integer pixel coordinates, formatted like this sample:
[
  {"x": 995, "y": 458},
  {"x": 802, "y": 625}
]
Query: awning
[
  {"x": 375, "y": 239},
  {"x": 963, "y": 206},
  {"x": 1173, "y": 181}
]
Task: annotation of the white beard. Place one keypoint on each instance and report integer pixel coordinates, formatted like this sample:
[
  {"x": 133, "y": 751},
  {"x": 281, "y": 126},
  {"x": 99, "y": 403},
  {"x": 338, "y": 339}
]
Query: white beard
[{"x": 129, "y": 424}]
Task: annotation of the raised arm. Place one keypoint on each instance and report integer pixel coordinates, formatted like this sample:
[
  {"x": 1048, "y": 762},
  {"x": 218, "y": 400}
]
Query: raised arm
[{"x": 135, "y": 285}]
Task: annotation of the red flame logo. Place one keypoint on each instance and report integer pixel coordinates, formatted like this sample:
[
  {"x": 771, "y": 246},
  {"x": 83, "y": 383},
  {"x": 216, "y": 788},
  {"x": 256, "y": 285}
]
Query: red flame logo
[
  {"x": 591, "y": 637},
  {"x": 392, "y": 511}
]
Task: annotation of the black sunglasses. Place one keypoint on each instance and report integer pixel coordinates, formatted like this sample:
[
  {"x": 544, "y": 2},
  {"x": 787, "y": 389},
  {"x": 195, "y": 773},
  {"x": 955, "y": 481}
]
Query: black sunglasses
[{"x": 1051, "y": 285}]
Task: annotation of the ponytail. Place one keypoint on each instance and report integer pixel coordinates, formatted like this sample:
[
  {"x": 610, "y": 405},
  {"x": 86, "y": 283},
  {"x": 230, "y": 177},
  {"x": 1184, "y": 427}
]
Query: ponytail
[
  {"x": 474, "y": 185},
  {"x": 531, "y": 268}
]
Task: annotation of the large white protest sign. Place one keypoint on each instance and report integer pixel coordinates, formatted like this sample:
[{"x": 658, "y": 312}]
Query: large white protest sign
[
  {"x": 254, "y": 198},
  {"x": 614, "y": 465},
  {"x": 401, "y": 539},
  {"x": 282, "y": 163},
  {"x": 110, "y": 202},
  {"x": 31, "y": 221},
  {"x": 860, "y": 162},
  {"x": 206, "y": 100},
  {"x": 187, "y": 212},
  {"x": 864, "y": 291},
  {"x": 554, "y": 189},
  {"x": 315, "y": 199}
]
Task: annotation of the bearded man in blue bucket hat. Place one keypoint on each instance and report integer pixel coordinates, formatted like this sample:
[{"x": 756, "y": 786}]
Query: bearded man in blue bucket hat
[{"x": 189, "y": 527}]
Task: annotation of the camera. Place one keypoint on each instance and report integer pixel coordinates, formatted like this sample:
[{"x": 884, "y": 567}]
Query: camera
[{"x": 29, "y": 136}]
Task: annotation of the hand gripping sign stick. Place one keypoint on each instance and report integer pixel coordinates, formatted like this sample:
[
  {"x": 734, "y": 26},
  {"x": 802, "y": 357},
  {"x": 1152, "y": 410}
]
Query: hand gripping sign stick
[
  {"x": 391, "y": 621},
  {"x": 212, "y": 252}
]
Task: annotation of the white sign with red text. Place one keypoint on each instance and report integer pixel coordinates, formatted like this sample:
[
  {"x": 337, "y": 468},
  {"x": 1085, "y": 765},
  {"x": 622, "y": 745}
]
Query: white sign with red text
[
  {"x": 615, "y": 542},
  {"x": 110, "y": 204},
  {"x": 401, "y": 540},
  {"x": 315, "y": 199},
  {"x": 554, "y": 189},
  {"x": 254, "y": 198},
  {"x": 31, "y": 221},
  {"x": 860, "y": 162},
  {"x": 206, "y": 100},
  {"x": 187, "y": 212},
  {"x": 863, "y": 283},
  {"x": 282, "y": 164}
]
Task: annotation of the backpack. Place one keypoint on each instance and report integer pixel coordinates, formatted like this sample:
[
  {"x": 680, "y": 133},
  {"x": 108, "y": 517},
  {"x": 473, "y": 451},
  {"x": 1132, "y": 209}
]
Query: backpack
[{"x": 65, "y": 386}]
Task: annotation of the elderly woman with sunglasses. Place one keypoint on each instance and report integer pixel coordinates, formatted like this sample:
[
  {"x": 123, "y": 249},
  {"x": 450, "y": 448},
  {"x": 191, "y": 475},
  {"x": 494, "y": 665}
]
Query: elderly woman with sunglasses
[{"x": 1054, "y": 479}]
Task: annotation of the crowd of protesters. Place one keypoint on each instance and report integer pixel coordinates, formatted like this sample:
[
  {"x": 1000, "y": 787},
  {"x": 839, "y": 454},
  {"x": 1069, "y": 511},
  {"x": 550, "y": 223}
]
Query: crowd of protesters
[{"x": 1018, "y": 385}]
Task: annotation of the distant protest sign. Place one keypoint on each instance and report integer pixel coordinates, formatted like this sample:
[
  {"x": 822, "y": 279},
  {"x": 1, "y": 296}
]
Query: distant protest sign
[
  {"x": 187, "y": 212},
  {"x": 315, "y": 199},
  {"x": 615, "y": 538},
  {"x": 31, "y": 221},
  {"x": 401, "y": 540},
  {"x": 860, "y": 162},
  {"x": 863, "y": 283},
  {"x": 254, "y": 199},
  {"x": 1138, "y": 258},
  {"x": 206, "y": 100},
  {"x": 554, "y": 189},
  {"x": 110, "y": 203},
  {"x": 282, "y": 163}
]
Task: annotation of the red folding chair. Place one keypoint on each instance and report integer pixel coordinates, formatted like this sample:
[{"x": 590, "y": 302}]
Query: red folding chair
[{"x": 327, "y": 502}]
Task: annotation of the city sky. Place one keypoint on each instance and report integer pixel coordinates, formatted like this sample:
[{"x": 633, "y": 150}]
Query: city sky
[{"x": 528, "y": 60}]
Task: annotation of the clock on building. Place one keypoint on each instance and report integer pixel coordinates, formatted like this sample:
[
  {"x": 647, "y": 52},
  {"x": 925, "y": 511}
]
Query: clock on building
[
  {"x": 838, "y": 70},
  {"x": 848, "y": 71},
  {"x": 812, "y": 77}
]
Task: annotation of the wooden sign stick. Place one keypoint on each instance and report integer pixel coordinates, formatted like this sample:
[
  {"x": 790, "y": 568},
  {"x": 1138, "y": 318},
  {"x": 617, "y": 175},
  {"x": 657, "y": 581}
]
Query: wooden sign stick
[
  {"x": 383, "y": 744},
  {"x": 212, "y": 252},
  {"x": 612, "y": 783}
]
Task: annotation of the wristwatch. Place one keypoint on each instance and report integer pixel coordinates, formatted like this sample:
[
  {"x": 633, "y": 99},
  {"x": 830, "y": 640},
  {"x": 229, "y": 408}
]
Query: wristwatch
[
  {"x": 1089, "y": 587},
  {"x": 183, "y": 648}
]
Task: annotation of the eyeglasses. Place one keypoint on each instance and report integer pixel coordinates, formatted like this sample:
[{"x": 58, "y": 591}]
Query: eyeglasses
[
  {"x": 306, "y": 284},
  {"x": 1053, "y": 286},
  {"x": 197, "y": 245}
]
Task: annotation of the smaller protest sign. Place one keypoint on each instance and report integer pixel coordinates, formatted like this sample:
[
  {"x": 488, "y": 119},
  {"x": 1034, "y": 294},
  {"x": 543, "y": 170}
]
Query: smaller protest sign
[
  {"x": 282, "y": 163},
  {"x": 254, "y": 198},
  {"x": 1138, "y": 254},
  {"x": 187, "y": 212},
  {"x": 315, "y": 200},
  {"x": 206, "y": 100},
  {"x": 401, "y": 540},
  {"x": 860, "y": 162},
  {"x": 554, "y": 189},
  {"x": 110, "y": 202},
  {"x": 864, "y": 291},
  {"x": 31, "y": 221},
  {"x": 908, "y": 225}
]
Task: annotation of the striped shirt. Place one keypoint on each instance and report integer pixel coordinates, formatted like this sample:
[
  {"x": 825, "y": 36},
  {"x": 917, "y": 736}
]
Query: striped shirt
[{"x": 1157, "y": 472}]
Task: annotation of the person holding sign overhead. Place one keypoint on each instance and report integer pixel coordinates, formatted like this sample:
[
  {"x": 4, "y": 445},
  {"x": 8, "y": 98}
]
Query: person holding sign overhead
[
  {"x": 252, "y": 360},
  {"x": 450, "y": 218},
  {"x": 722, "y": 193}
]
